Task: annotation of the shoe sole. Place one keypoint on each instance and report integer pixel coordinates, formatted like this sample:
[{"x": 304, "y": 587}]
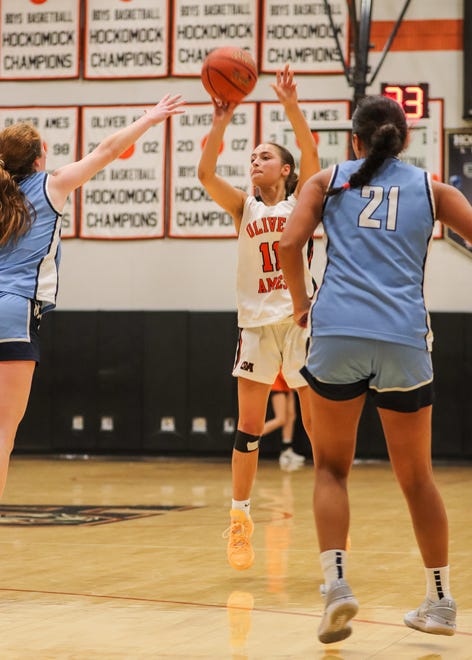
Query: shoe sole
[
  {"x": 250, "y": 562},
  {"x": 242, "y": 567},
  {"x": 430, "y": 627},
  {"x": 338, "y": 618}
]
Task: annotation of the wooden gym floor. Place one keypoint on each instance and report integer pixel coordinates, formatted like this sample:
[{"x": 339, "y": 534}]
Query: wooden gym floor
[{"x": 124, "y": 560}]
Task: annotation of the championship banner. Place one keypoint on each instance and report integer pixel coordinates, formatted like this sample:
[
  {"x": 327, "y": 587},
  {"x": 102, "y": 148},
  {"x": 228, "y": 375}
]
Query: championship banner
[
  {"x": 459, "y": 175},
  {"x": 58, "y": 128},
  {"x": 299, "y": 33},
  {"x": 126, "y": 39},
  {"x": 125, "y": 200},
  {"x": 201, "y": 25},
  {"x": 332, "y": 128},
  {"x": 329, "y": 122},
  {"x": 193, "y": 214},
  {"x": 425, "y": 147},
  {"x": 40, "y": 40}
]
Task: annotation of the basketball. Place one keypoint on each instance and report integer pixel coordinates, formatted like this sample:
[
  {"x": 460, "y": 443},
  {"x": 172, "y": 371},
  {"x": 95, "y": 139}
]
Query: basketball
[{"x": 229, "y": 74}]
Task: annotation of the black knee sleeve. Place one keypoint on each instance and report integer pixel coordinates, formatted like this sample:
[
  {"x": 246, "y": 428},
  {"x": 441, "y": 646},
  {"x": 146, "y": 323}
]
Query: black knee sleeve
[{"x": 246, "y": 442}]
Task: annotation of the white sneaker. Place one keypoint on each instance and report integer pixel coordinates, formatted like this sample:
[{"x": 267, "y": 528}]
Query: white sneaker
[
  {"x": 435, "y": 617},
  {"x": 340, "y": 608},
  {"x": 289, "y": 460}
]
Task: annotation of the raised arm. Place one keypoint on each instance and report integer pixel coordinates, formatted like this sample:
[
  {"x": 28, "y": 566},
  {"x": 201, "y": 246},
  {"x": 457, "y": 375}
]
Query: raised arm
[
  {"x": 231, "y": 199},
  {"x": 286, "y": 91},
  {"x": 300, "y": 226},
  {"x": 66, "y": 179}
]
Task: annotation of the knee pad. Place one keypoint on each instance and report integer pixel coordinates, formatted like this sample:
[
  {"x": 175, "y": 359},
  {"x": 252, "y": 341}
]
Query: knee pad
[{"x": 246, "y": 442}]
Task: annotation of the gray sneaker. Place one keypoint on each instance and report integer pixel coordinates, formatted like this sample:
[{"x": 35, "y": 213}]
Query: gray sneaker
[
  {"x": 435, "y": 617},
  {"x": 340, "y": 607}
]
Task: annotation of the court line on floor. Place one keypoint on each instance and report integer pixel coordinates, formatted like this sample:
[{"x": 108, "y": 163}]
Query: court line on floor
[{"x": 142, "y": 599}]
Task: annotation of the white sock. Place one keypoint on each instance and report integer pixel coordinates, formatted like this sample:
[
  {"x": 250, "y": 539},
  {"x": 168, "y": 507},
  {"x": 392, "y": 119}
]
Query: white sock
[
  {"x": 242, "y": 505},
  {"x": 332, "y": 564},
  {"x": 437, "y": 583}
]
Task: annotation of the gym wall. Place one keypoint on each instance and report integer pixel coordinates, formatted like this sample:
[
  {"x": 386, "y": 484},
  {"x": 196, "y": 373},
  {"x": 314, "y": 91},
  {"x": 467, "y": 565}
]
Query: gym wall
[
  {"x": 159, "y": 383},
  {"x": 145, "y": 329}
]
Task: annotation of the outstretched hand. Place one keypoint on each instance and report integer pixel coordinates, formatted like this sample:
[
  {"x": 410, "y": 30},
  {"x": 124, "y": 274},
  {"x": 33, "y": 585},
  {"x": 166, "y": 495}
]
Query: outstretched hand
[
  {"x": 167, "y": 106},
  {"x": 223, "y": 112},
  {"x": 284, "y": 86}
]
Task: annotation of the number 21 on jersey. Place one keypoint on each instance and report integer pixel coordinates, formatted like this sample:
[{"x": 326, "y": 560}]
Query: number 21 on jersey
[{"x": 376, "y": 196}]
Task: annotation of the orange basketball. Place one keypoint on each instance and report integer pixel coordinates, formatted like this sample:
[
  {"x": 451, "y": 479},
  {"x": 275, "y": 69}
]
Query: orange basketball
[{"x": 229, "y": 74}]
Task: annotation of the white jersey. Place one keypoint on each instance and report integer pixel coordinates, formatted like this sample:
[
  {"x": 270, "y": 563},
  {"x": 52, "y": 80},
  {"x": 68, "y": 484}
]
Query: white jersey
[{"x": 263, "y": 296}]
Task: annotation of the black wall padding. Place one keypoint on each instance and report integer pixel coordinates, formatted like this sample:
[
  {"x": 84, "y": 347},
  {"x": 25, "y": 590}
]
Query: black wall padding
[
  {"x": 451, "y": 386},
  {"x": 36, "y": 433},
  {"x": 73, "y": 373},
  {"x": 467, "y": 60},
  {"x": 119, "y": 382},
  {"x": 159, "y": 383},
  {"x": 212, "y": 390},
  {"x": 164, "y": 382},
  {"x": 467, "y": 393}
]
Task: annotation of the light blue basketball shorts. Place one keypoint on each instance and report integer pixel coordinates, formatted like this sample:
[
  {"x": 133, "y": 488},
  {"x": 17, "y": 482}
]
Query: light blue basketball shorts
[
  {"x": 398, "y": 377},
  {"x": 19, "y": 328}
]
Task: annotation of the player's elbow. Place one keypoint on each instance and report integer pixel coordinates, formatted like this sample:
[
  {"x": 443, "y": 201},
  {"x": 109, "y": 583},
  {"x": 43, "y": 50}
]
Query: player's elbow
[
  {"x": 288, "y": 250},
  {"x": 287, "y": 244},
  {"x": 283, "y": 252},
  {"x": 202, "y": 174},
  {"x": 209, "y": 181}
]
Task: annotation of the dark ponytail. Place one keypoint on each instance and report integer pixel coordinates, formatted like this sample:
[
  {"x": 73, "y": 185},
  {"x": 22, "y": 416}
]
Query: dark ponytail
[
  {"x": 380, "y": 124},
  {"x": 20, "y": 146}
]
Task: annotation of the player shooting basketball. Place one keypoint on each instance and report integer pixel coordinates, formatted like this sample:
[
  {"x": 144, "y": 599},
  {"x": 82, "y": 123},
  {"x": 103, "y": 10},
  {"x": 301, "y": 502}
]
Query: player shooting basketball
[{"x": 269, "y": 339}]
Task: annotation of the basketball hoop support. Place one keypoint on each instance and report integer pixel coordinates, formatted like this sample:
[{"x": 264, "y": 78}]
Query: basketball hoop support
[{"x": 360, "y": 45}]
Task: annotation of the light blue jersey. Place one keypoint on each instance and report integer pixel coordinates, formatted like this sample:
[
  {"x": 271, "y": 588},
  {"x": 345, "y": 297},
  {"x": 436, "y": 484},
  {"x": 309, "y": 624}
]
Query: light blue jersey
[
  {"x": 377, "y": 243},
  {"x": 29, "y": 267}
]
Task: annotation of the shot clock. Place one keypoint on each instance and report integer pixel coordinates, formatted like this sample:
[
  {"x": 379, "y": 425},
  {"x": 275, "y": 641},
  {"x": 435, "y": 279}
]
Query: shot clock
[{"x": 414, "y": 98}]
